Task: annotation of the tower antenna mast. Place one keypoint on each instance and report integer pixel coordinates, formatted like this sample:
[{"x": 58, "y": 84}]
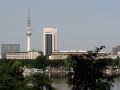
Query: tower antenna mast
[{"x": 28, "y": 19}]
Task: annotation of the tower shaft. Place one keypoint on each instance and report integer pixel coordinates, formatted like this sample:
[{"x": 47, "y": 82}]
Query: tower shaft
[{"x": 28, "y": 43}]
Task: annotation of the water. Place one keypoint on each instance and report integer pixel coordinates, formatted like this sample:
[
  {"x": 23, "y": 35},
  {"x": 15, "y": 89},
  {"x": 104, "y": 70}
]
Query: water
[
  {"x": 61, "y": 84},
  {"x": 59, "y": 81},
  {"x": 116, "y": 84}
]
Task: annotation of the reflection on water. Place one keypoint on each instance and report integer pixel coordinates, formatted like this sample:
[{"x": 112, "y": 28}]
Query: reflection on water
[
  {"x": 60, "y": 82},
  {"x": 116, "y": 84}
]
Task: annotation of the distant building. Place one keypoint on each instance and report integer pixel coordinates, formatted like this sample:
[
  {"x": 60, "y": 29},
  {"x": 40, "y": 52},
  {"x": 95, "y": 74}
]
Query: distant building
[
  {"x": 59, "y": 55},
  {"x": 49, "y": 40},
  {"x": 64, "y": 54},
  {"x": 116, "y": 50},
  {"x": 6, "y": 48},
  {"x": 23, "y": 55}
]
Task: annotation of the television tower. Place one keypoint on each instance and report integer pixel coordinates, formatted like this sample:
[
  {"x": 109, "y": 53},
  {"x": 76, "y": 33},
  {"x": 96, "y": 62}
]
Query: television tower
[{"x": 29, "y": 31}]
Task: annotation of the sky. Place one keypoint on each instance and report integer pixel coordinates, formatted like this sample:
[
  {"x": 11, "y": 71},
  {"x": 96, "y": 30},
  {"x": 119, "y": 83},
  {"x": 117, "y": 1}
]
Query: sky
[{"x": 81, "y": 24}]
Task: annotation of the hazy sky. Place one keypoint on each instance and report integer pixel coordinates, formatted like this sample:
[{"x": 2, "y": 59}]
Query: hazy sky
[{"x": 82, "y": 24}]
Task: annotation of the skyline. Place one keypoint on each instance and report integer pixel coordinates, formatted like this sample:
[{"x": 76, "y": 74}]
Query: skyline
[{"x": 81, "y": 24}]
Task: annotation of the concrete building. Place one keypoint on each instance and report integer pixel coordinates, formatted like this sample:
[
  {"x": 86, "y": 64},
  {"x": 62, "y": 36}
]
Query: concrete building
[
  {"x": 116, "y": 50},
  {"x": 23, "y": 55},
  {"x": 49, "y": 40},
  {"x": 59, "y": 55},
  {"x": 29, "y": 31},
  {"x": 64, "y": 54},
  {"x": 6, "y": 48}
]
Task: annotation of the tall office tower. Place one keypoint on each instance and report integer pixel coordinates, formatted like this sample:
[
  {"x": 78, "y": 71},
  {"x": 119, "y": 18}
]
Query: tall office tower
[
  {"x": 29, "y": 31},
  {"x": 6, "y": 48},
  {"x": 49, "y": 40}
]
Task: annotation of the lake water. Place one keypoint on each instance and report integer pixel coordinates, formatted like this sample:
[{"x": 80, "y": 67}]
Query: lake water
[
  {"x": 116, "y": 84},
  {"x": 61, "y": 84}
]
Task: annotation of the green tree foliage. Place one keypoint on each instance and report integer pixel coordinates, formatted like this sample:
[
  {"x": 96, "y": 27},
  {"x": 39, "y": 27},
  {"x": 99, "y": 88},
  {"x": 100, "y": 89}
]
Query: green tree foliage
[
  {"x": 28, "y": 63},
  {"x": 116, "y": 62},
  {"x": 11, "y": 77},
  {"x": 39, "y": 81},
  {"x": 56, "y": 63},
  {"x": 89, "y": 71},
  {"x": 41, "y": 62}
]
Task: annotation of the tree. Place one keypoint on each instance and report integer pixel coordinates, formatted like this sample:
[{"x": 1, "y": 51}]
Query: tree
[
  {"x": 56, "y": 63},
  {"x": 41, "y": 62},
  {"x": 39, "y": 81},
  {"x": 89, "y": 71},
  {"x": 11, "y": 77}
]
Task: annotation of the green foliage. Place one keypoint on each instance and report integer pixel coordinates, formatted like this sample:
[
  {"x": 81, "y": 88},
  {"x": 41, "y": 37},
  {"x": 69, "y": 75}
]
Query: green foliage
[
  {"x": 116, "y": 62},
  {"x": 11, "y": 76},
  {"x": 56, "y": 63},
  {"x": 41, "y": 62},
  {"x": 28, "y": 63},
  {"x": 69, "y": 62},
  {"x": 88, "y": 72},
  {"x": 39, "y": 81}
]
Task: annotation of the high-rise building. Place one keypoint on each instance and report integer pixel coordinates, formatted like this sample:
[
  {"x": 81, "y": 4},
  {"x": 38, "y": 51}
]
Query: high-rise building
[
  {"x": 7, "y": 48},
  {"x": 49, "y": 40}
]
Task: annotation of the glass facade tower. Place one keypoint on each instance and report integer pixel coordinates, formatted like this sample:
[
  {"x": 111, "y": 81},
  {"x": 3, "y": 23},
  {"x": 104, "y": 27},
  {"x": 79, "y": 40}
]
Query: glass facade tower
[{"x": 49, "y": 40}]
